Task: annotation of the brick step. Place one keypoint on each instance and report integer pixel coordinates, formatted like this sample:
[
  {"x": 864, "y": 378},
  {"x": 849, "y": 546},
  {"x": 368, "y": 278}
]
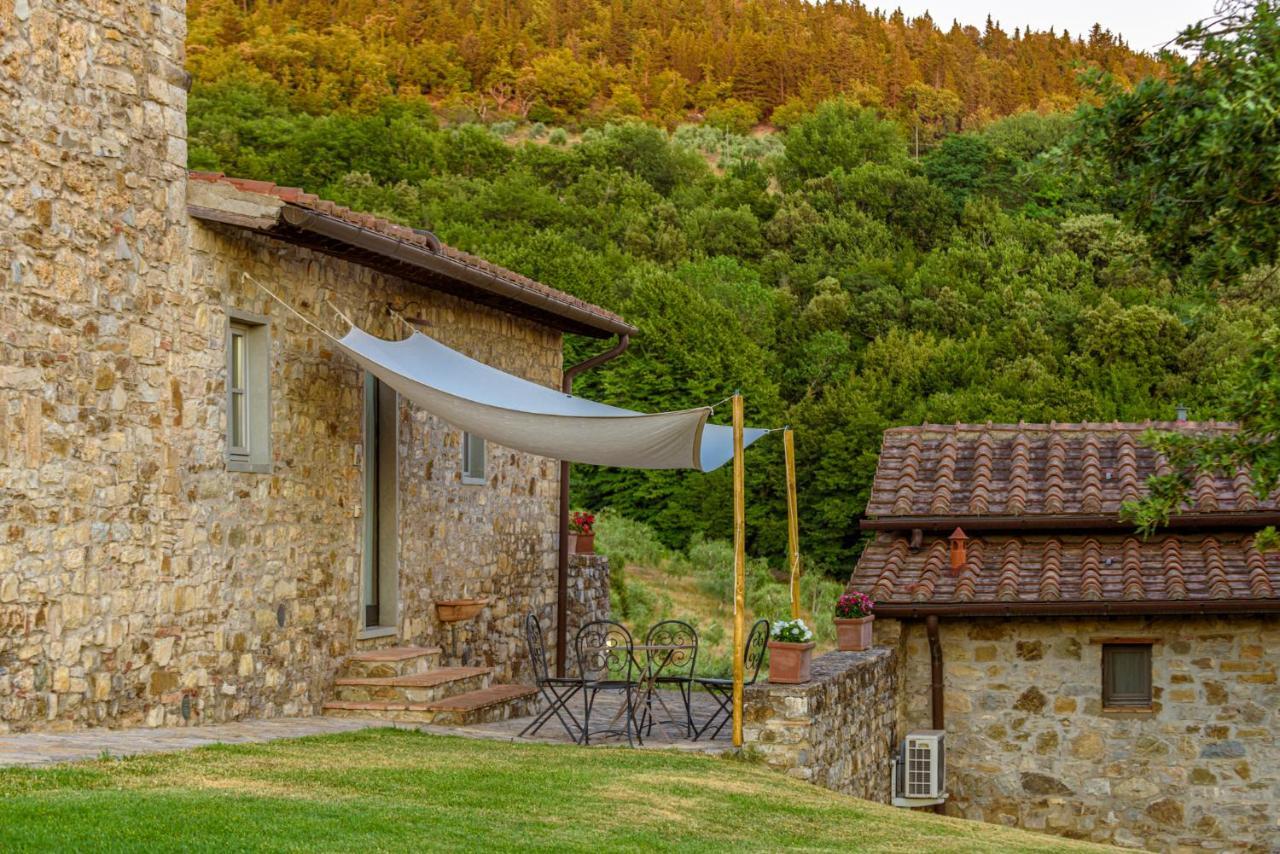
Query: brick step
[
  {"x": 427, "y": 687},
  {"x": 496, "y": 703},
  {"x": 392, "y": 661}
]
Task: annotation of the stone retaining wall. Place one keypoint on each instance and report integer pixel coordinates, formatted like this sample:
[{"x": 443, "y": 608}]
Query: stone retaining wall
[{"x": 838, "y": 730}]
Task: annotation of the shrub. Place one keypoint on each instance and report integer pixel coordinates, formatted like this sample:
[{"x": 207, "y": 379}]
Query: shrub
[{"x": 733, "y": 115}]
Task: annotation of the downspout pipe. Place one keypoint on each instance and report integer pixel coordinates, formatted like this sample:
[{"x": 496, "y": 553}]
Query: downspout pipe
[
  {"x": 937, "y": 697},
  {"x": 562, "y": 573},
  {"x": 935, "y": 672}
]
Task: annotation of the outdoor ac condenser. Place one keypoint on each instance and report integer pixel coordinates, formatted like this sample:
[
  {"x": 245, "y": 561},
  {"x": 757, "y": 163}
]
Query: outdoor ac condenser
[{"x": 919, "y": 772}]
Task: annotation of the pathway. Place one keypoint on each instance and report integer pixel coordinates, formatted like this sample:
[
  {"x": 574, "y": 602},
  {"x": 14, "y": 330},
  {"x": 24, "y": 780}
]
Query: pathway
[{"x": 45, "y": 748}]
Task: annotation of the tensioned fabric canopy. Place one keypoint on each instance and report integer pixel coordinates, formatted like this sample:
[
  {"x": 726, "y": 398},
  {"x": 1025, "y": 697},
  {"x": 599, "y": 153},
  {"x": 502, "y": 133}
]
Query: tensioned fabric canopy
[{"x": 523, "y": 415}]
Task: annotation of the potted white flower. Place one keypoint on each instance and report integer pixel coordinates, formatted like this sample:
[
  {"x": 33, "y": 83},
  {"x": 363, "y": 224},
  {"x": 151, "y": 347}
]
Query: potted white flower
[{"x": 790, "y": 652}]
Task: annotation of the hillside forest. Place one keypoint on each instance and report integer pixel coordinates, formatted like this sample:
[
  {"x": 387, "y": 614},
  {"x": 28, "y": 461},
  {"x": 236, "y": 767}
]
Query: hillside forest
[
  {"x": 729, "y": 62},
  {"x": 938, "y": 224}
]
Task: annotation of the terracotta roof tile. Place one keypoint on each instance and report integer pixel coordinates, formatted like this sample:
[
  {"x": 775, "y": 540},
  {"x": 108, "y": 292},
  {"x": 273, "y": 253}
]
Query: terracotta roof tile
[
  {"x": 1035, "y": 469},
  {"x": 1045, "y": 568}
]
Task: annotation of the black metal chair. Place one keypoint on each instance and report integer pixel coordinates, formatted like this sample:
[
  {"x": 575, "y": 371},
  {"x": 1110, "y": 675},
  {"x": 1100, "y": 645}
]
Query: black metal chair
[
  {"x": 677, "y": 667},
  {"x": 556, "y": 691},
  {"x": 606, "y": 662},
  {"x": 722, "y": 689}
]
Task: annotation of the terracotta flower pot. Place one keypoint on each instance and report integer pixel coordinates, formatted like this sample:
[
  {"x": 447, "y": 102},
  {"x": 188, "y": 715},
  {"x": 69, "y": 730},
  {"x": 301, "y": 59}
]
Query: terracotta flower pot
[
  {"x": 789, "y": 662},
  {"x": 853, "y": 634},
  {"x": 582, "y": 544},
  {"x": 456, "y": 610}
]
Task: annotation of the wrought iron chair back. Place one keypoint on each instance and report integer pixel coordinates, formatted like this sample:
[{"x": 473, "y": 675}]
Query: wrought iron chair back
[
  {"x": 721, "y": 690},
  {"x": 680, "y": 661},
  {"x": 537, "y": 645},
  {"x": 556, "y": 691},
  {"x": 604, "y": 651}
]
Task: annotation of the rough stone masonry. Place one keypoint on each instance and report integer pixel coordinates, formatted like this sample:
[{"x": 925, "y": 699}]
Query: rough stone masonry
[
  {"x": 140, "y": 580},
  {"x": 838, "y": 730}
]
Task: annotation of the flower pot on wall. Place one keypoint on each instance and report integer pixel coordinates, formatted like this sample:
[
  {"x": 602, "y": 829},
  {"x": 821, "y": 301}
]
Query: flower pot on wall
[
  {"x": 789, "y": 662},
  {"x": 582, "y": 544},
  {"x": 854, "y": 634}
]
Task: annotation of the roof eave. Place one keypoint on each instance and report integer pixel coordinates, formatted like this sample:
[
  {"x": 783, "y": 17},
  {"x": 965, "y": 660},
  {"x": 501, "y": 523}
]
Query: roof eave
[
  {"x": 343, "y": 239},
  {"x": 1227, "y": 521},
  {"x": 1078, "y": 608}
]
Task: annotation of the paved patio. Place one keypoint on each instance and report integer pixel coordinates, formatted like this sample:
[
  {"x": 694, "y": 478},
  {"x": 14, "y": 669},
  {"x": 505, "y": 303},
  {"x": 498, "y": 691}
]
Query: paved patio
[
  {"x": 607, "y": 705},
  {"x": 46, "y": 748}
]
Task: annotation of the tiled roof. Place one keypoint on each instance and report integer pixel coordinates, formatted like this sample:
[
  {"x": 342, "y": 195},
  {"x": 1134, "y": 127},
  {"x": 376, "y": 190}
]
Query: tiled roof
[
  {"x": 1033, "y": 469},
  {"x": 1050, "y": 570},
  {"x": 415, "y": 237}
]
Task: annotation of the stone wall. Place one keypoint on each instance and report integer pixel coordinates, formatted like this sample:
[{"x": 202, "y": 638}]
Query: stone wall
[
  {"x": 588, "y": 592},
  {"x": 838, "y": 730},
  {"x": 140, "y": 580},
  {"x": 93, "y": 257},
  {"x": 1029, "y": 744}
]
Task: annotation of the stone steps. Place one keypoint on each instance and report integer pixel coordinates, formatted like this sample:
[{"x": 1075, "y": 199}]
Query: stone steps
[
  {"x": 392, "y": 661},
  {"x": 495, "y": 703},
  {"x": 415, "y": 688},
  {"x": 406, "y": 684}
]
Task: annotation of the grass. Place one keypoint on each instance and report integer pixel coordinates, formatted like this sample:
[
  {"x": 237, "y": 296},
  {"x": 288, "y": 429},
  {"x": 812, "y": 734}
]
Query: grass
[{"x": 399, "y": 790}]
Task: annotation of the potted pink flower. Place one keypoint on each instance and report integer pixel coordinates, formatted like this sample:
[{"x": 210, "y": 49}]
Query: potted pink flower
[
  {"x": 790, "y": 652},
  {"x": 582, "y": 539},
  {"x": 853, "y": 621}
]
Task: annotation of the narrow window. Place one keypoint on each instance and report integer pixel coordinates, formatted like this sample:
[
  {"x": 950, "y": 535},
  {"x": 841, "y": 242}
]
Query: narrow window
[
  {"x": 238, "y": 395},
  {"x": 248, "y": 394},
  {"x": 472, "y": 459},
  {"x": 1126, "y": 676}
]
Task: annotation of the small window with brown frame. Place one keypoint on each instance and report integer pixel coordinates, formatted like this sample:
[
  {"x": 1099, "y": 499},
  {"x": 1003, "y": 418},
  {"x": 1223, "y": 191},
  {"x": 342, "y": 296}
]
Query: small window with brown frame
[{"x": 1126, "y": 676}]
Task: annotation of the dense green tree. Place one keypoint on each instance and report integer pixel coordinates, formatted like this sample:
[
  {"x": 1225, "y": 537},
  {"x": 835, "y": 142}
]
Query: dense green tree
[
  {"x": 840, "y": 135},
  {"x": 1255, "y": 406},
  {"x": 1194, "y": 156},
  {"x": 842, "y": 286}
]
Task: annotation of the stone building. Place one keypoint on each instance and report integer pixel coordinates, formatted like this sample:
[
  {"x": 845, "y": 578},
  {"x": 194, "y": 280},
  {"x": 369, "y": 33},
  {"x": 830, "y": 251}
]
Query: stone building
[
  {"x": 205, "y": 511},
  {"x": 1091, "y": 683}
]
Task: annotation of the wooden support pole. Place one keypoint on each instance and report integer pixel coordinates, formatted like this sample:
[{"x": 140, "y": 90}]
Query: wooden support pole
[
  {"x": 793, "y": 521},
  {"x": 739, "y": 568}
]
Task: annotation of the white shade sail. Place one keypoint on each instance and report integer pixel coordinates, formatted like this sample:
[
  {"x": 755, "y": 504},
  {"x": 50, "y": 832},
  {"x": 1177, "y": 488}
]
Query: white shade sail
[{"x": 529, "y": 417}]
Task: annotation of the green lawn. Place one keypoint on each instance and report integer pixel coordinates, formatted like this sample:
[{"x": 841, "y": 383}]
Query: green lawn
[{"x": 384, "y": 790}]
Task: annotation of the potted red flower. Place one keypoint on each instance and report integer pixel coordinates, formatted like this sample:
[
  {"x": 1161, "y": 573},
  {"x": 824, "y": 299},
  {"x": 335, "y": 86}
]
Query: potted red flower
[
  {"x": 853, "y": 621},
  {"x": 790, "y": 652},
  {"x": 582, "y": 539}
]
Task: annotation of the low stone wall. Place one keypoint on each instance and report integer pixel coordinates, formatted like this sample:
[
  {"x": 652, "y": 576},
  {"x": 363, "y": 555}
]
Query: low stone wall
[{"x": 838, "y": 730}]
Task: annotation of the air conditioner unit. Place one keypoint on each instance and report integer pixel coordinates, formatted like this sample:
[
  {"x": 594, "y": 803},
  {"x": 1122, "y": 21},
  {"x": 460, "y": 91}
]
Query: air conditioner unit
[{"x": 919, "y": 772}]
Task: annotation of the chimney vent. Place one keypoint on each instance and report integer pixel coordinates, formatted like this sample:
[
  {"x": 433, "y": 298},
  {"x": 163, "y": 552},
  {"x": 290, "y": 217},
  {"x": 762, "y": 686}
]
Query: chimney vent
[{"x": 959, "y": 552}]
